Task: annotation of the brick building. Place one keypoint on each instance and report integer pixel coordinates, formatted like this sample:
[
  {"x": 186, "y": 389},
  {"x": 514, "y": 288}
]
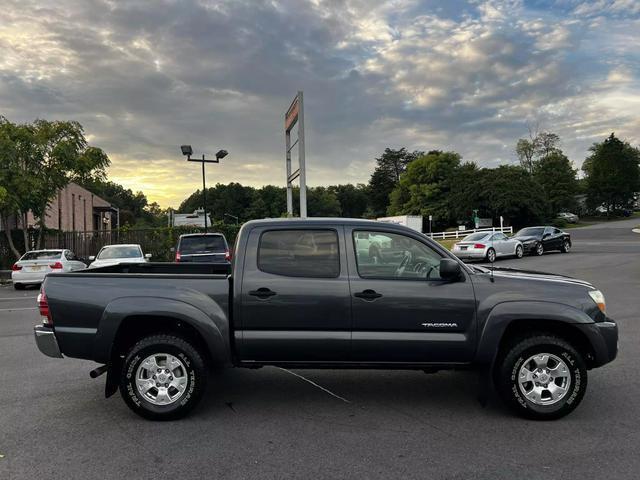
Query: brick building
[{"x": 75, "y": 209}]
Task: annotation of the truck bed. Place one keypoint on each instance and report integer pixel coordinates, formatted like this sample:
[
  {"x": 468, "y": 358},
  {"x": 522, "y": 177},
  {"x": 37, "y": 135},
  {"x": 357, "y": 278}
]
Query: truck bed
[{"x": 87, "y": 306}]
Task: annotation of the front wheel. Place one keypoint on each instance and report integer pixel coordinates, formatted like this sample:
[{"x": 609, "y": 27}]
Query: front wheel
[
  {"x": 566, "y": 246},
  {"x": 18, "y": 286},
  {"x": 519, "y": 251},
  {"x": 542, "y": 377},
  {"x": 163, "y": 377},
  {"x": 539, "y": 250}
]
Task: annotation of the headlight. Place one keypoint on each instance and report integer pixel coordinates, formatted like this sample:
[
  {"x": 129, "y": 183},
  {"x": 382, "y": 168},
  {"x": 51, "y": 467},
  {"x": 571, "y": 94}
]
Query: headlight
[{"x": 598, "y": 298}]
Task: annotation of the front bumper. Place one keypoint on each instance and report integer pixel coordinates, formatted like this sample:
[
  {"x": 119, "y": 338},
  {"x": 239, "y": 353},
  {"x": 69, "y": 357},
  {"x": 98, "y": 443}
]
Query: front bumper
[
  {"x": 529, "y": 247},
  {"x": 604, "y": 340},
  {"x": 46, "y": 341}
]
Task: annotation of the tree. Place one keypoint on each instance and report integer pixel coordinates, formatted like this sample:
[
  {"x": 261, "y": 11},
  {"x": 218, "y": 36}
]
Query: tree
[
  {"x": 353, "y": 199},
  {"x": 386, "y": 176},
  {"x": 612, "y": 174},
  {"x": 38, "y": 160},
  {"x": 557, "y": 177},
  {"x": 425, "y": 187},
  {"x": 538, "y": 146}
]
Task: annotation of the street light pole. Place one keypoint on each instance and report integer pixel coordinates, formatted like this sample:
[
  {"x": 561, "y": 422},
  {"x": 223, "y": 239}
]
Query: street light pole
[{"x": 188, "y": 151}]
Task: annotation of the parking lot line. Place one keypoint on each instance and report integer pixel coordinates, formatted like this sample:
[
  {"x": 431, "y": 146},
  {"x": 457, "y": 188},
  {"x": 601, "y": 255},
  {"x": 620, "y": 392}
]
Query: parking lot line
[
  {"x": 16, "y": 309},
  {"x": 18, "y": 298}
]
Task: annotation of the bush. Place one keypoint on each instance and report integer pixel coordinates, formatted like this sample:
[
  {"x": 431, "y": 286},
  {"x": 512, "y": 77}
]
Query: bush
[{"x": 559, "y": 223}]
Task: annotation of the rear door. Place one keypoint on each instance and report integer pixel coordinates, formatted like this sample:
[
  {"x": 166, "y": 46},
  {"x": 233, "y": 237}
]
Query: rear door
[
  {"x": 294, "y": 299},
  {"x": 402, "y": 310}
]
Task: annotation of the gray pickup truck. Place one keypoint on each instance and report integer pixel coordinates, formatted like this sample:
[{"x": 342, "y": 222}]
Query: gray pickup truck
[{"x": 302, "y": 293}]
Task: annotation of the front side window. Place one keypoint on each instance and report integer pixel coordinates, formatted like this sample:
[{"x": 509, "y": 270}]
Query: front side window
[
  {"x": 391, "y": 255},
  {"x": 300, "y": 253}
]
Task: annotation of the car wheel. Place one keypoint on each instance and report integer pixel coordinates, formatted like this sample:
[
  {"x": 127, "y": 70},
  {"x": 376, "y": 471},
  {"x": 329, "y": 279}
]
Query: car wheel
[
  {"x": 18, "y": 286},
  {"x": 539, "y": 250},
  {"x": 566, "y": 246},
  {"x": 542, "y": 377},
  {"x": 491, "y": 255},
  {"x": 163, "y": 377},
  {"x": 519, "y": 251}
]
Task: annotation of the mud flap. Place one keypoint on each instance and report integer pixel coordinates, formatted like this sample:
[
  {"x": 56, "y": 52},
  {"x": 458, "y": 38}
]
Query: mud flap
[
  {"x": 484, "y": 385},
  {"x": 113, "y": 379}
]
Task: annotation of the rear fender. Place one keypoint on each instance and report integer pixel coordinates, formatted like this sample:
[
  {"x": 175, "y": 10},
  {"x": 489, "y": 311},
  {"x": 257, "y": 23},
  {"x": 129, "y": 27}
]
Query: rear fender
[{"x": 212, "y": 326}]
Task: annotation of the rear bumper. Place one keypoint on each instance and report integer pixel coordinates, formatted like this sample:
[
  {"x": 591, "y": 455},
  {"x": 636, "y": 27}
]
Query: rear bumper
[
  {"x": 46, "y": 341},
  {"x": 471, "y": 254},
  {"x": 27, "y": 278},
  {"x": 604, "y": 340}
]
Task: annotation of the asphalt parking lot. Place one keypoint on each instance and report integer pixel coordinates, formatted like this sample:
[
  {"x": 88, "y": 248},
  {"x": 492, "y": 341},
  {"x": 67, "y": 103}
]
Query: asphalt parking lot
[{"x": 269, "y": 423}]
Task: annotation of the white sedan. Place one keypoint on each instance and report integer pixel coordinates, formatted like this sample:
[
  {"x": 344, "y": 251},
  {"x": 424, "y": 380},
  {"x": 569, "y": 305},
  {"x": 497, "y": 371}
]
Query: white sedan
[
  {"x": 117, "y": 254},
  {"x": 487, "y": 246},
  {"x": 34, "y": 265}
]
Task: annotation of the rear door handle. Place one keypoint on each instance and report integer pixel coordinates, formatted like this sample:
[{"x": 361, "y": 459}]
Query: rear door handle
[
  {"x": 262, "y": 293},
  {"x": 368, "y": 294}
]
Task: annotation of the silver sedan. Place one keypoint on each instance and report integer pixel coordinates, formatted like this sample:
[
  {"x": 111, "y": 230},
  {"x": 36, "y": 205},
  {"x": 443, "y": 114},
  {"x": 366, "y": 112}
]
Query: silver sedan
[{"x": 487, "y": 246}]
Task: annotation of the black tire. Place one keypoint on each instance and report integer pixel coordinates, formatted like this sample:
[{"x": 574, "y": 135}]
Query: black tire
[
  {"x": 18, "y": 286},
  {"x": 538, "y": 249},
  {"x": 491, "y": 252},
  {"x": 519, "y": 251},
  {"x": 508, "y": 367},
  {"x": 566, "y": 246},
  {"x": 195, "y": 372}
]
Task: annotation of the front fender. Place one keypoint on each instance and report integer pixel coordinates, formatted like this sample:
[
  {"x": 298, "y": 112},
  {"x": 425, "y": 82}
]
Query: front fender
[
  {"x": 210, "y": 322},
  {"x": 499, "y": 318}
]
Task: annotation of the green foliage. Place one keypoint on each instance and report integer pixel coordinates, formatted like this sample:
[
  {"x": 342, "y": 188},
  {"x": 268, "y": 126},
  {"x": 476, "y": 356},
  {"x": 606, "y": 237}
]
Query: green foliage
[
  {"x": 386, "y": 176},
  {"x": 612, "y": 174},
  {"x": 425, "y": 187},
  {"x": 557, "y": 177},
  {"x": 559, "y": 222}
]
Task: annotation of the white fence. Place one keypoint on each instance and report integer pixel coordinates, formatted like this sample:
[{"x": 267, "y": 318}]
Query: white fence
[{"x": 464, "y": 233}]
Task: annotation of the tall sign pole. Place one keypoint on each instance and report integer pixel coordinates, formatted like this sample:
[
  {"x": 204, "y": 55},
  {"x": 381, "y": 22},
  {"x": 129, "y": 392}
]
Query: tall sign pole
[{"x": 295, "y": 114}]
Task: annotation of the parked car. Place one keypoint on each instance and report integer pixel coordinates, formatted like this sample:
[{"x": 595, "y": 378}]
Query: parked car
[
  {"x": 488, "y": 246},
  {"x": 537, "y": 240},
  {"x": 34, "y": 265},
  {"x": 569, "y": 217},
  {"x": 203, "y": 248},
  {"x": 302, "y": 295},
  {"x": 116, "y": 254}
]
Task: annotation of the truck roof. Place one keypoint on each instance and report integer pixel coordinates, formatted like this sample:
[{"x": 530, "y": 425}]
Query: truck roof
[{"x": 360, "y": 222}]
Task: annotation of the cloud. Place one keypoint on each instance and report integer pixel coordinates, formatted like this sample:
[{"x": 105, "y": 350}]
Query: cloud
[{"x": 458, "y": 75}]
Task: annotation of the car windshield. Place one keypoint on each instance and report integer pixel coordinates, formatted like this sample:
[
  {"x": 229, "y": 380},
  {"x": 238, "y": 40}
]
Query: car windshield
[
  {"x": 530, "y": 232},
  {"x": 202, "y": 244},
  {"x": 122, "y": 251},
  {"x": 42, "y": 255},
  {"x": 476, "y": 236}
]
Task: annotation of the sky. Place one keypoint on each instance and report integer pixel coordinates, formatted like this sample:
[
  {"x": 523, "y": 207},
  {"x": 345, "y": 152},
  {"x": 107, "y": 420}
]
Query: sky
[{"x": 472, "y": 76}]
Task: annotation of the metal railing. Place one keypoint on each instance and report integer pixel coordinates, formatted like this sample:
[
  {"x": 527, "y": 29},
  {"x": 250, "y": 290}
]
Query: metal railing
[{"x": 464, "y": 233}]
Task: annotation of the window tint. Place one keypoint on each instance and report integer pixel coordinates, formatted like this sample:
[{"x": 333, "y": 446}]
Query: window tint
[
  {"x": 202, "y": 244},
  {"x": 119, "y": 251},
  {"x": 556, "y": 231},
  {"x": 499, "y": 236},
  {"x": 530, "y": 232},
  {"x": 42, "y": 255},
  {"x": 300, "y": 253},
  {"x": 390, "y": 255},
  {"x": 476, "y": 236}
]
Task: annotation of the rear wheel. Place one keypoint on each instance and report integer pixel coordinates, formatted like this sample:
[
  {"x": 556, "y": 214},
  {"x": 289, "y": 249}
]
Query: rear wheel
[
  {"x": 18, "y": 286},
  {"x": 539, "y": 250},
  {"x": 163, "y": 377},
  {"x": 519, "y": 251},
  {"x": 566, "y": 246},
  {"x": 542, "y": 377},
  {"x": 491, "y": 255}
]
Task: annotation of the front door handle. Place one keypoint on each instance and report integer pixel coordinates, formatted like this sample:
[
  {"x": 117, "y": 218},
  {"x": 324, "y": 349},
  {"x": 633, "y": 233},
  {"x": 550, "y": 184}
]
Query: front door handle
[
  {"x": 262, "y": 293},
  {"x": 368, "y": 294}
]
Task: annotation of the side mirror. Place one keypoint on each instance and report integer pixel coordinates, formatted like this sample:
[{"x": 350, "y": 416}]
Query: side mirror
[
  {"x": 92, "y": 258},
  {"x": 147, "y": 255},
  {"x": 450, "y": 269},
  {"x": 546, "y": 235}
]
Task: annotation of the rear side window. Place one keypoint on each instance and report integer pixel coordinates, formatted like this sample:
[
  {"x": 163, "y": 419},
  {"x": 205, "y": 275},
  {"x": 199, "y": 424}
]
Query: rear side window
[
  {"x": 203, "y": 244},
  {"x": 300, "y": 253},
  {"x": 45, "y": 255}
]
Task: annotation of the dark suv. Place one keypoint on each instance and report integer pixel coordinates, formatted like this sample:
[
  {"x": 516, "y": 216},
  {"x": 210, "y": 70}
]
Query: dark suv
[{"x": 203, "y": 248}]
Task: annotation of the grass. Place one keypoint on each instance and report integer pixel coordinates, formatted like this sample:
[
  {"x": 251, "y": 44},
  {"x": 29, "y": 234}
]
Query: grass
[{"x": 448, "y": 243}]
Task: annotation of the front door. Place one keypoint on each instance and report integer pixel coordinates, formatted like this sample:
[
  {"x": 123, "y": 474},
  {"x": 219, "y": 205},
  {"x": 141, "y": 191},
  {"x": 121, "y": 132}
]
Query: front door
[
  {"x": 294, "y": 300},
  {"x": 402, "y": 310}
]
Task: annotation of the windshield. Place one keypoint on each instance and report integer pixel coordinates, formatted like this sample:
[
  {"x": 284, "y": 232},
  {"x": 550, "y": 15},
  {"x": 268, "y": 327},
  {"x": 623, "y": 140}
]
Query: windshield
[
  {"x": 43, "y": 255},
  {"x": 122, "y": 251},
  {"x": 530, "y": 232},
  {"x": 476, "y": 236},
  {"x": 203, "y": 244}
]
